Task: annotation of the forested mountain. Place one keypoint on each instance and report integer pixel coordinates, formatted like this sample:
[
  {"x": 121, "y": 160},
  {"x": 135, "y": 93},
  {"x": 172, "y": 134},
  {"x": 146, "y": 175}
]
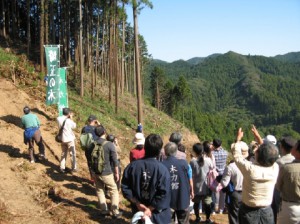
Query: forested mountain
[{"x": 231, "y": 90}]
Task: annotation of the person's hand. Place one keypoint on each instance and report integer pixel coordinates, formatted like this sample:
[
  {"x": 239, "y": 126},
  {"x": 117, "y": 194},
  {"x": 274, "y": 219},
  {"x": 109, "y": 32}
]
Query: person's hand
[
  {"x": 116, "y": 142},
  {"x": 239, "y": 135},
  {"x": 256, "y": 135},
  {"x": 147, "y": 213},
  {"x": 117, "y": 177},
  {"x": 192, "y": 194},
  {"x": 254, "y": 130}
]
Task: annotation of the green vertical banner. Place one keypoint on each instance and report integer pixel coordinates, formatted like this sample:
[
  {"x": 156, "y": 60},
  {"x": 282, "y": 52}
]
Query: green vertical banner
[
  {"x": 52, "y": 61},
  {"x": 62, "y": 93}
]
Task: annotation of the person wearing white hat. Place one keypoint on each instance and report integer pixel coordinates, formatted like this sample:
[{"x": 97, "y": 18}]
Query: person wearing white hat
[
  {"x": 270, "y": 138},
  {"x": 138, "y": 152}
]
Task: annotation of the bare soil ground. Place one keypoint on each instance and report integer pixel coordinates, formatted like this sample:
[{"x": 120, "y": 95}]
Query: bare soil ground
[{"x": 38, "y": 193}]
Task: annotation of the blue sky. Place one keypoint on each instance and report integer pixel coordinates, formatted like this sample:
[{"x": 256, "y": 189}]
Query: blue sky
[{"x": 183, "y": 29}]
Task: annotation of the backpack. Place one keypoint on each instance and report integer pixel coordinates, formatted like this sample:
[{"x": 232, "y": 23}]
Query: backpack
[
  {"x": 212, "y": 181},
  {"x": 97, "y": 157},
  {"x": 86, "y": 139}
]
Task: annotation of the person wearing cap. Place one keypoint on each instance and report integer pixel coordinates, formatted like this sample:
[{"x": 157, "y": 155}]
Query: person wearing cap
[
  {"x": 109, "y": 176},
  {"x": 68, "y": 139},
  {"x": 181, "y": 190},
  {"x": 92, "y": 122},
  {"x": 288, "y": 183},
  {"x": 32, "y": 133},
  {"x": 270, "y": 138},
  {"x": 146, "y": 183},
  {"x": 258, "y": 182},
  {"x": 285, "y": 146},
  {"x": 138, "y": 152},
  {"x": 232, "y": 175},
  {"x": 220, "y": 155}
]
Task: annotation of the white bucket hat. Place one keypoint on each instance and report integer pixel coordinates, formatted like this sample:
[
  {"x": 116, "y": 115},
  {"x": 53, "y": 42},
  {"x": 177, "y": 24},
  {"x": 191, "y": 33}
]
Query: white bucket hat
[{"x": 139, "y": 139}]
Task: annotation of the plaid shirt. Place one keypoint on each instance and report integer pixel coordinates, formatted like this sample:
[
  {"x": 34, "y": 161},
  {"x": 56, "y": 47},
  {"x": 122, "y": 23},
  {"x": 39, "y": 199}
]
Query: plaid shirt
[{"x": 221, "y": 157}]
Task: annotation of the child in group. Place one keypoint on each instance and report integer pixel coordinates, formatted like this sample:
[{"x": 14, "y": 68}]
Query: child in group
[{"x": 200, "y": 167}]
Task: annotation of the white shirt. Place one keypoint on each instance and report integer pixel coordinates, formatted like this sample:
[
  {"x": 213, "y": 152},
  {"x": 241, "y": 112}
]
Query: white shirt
[
  {"x": 258, "y": 183},
  {"x": 232, "y": 173},
  {"x": 68, "y": 135}
]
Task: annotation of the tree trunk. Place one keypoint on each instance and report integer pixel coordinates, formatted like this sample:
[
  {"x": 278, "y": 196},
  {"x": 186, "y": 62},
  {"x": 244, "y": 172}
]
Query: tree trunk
[
  {"x": 46, "y": 21},
  {"x": 116, "y": 70},
  {"x": 137, "y": 65},
  {"x": 52, "y": 24},
  {"x": 13, "y": 19},
  {"x": 80, "y": 51},
  {"x": 3, "y": 18},
  {"x": 28, "y": 28},
  {"x": 123, "y": 53},
  {"x": 42, "y": 37},
  {"x": 111, "y": 49}
]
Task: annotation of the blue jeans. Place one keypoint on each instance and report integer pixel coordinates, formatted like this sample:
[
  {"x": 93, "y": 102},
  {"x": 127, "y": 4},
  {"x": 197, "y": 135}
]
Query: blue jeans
[{"x": 250, "y": 215}]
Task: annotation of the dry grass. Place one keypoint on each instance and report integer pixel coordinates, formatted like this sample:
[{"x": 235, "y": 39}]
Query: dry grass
[{"x": 5, "y": 215}]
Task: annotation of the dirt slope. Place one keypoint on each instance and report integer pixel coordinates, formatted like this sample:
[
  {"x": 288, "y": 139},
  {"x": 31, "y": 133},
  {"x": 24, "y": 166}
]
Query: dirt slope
[{"x": 38, "y": 193}]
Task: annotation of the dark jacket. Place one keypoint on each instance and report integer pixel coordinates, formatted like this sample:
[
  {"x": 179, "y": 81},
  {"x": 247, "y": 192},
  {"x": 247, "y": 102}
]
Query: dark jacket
[
  {"x": 148, "y": 181},
  {"x": 110, "y": 156},
  {"x": 180, "y": 185}
]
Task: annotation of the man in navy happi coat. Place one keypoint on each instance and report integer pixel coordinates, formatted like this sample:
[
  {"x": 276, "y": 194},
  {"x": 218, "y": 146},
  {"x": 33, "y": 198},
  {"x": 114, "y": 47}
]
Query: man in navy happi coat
[
  {"x": 146, "y": 183},
  {"x": 180, "y": 184}
]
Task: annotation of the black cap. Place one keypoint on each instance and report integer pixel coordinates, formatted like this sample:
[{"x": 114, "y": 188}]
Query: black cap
[
  {"x": 26, "y": 110},
  {"x": 92, "y": 118}
]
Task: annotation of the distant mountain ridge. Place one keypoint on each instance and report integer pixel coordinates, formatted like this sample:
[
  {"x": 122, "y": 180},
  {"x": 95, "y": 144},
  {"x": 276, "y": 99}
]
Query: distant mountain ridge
[
  {"x": 230, "y": 89},
  {"x": 288, "y": 57}
]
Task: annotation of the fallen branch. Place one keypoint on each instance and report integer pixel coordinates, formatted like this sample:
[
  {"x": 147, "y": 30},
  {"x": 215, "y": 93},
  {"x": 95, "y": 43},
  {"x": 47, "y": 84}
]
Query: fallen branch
[{"x": 53, "y": 206}]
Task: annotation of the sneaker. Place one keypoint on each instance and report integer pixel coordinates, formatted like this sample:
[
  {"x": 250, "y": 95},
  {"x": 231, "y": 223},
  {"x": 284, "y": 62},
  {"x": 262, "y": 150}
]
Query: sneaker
[
  {"x": 117, "y": 216},
  {"x": 74, "y": 170},
  {"x": 62, "y": 171},
  {"x": 220, "y": 211},
  {"x": 42, "y": 157},
  {"x": 32, "y": 161},
  {"x": 200, "y": 210}
]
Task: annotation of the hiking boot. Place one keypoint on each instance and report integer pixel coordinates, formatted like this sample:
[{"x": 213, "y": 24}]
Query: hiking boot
[
  {"x": 209, "y": 221},
  {"x": 198, "y": 219},
  {"x": 41, "y": 157},
  {"x": 104, "y": 213},
  {"x": 74, "y": 170},
  {"x": 117, "y": 216}
]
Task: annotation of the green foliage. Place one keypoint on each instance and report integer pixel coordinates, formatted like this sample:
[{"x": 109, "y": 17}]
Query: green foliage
[{"x": 216, "y": 95}]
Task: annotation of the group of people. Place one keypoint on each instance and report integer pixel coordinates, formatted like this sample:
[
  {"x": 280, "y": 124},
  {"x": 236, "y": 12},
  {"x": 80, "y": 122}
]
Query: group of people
[{"x": 255, "y": 187}]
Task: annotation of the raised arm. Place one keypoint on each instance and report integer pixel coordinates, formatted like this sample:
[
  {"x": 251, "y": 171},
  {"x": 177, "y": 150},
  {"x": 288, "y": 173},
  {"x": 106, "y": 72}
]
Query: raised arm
[{"x": 256, "y": 135}]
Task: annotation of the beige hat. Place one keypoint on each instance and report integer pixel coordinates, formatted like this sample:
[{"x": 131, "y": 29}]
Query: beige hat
[
  {"x": 139, "y": 139},
  {"x": 243, "y": 146}
]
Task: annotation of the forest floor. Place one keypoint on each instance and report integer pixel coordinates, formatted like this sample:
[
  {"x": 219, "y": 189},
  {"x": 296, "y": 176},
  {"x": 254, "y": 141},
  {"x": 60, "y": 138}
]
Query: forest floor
[{"x": 38, "y": 193}]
